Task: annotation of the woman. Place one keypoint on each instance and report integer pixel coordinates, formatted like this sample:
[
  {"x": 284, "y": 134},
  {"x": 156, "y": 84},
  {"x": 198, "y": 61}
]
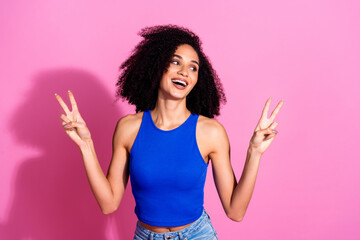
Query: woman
[{"x": 167, "y": 145}]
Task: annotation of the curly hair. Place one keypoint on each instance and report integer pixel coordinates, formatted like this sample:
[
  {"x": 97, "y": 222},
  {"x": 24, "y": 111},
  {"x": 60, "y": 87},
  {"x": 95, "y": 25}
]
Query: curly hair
[{"x": 140, "y": 75}]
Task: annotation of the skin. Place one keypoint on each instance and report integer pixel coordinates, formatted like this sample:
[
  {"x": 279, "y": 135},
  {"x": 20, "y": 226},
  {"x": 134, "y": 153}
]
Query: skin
[{"x": 170, "y": 112}]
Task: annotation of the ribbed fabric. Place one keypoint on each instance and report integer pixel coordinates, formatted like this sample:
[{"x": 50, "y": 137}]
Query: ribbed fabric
[{"x": 167, "y": 174}]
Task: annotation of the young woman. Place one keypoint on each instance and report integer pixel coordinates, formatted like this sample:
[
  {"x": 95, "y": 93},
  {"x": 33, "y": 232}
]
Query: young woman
[{"x": 167, "y": 144}]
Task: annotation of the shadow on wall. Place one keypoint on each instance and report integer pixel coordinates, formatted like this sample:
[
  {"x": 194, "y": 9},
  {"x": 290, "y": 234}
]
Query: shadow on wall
[{"x": 52, "y": 198}]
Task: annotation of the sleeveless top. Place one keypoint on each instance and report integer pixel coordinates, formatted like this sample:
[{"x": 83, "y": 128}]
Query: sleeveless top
[{"x": 167, "y": 173}]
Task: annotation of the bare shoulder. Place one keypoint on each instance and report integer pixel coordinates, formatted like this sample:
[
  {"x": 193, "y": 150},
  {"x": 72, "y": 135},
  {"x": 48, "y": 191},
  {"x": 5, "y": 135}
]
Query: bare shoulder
[
  {"x": 210, "y": 127},
  {"x": 130, "y": 120},
  {"x": 127, "y": 128},
  {"x": 210, "y": 135}
]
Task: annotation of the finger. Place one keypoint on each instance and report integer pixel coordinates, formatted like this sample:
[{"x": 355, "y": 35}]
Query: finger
[
  {"x": 66, "y": 126},
  {"x": 273, "y": 125},
  {"x": 72, "y": 125},
  {"x": 65, "y": 118},
  {"x": 73, "y": 102},
  {"x": 277, "y": 109},
  {"x": 62, "y": 104},
  {"x": 269, "y": 131},
  {"x": 266, "y": 108},
  {"x": 270, "y": 136}
]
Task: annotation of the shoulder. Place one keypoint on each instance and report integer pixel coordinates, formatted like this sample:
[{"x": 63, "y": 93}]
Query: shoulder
[
  {"x": 127, "y": 128},
  {"x": 130, "y": 120},
  {"x": 212, "y": 131},
  {"x": 210, "y": 126}
]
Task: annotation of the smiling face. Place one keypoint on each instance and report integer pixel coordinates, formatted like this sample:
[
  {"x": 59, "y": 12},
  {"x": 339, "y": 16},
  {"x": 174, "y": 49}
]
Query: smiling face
[{"x": 181, "y": 75}]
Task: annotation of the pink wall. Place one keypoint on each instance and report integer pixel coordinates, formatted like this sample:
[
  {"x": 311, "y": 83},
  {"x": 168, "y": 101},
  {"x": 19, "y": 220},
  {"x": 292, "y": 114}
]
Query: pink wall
[{"x": 305, "y": 52}]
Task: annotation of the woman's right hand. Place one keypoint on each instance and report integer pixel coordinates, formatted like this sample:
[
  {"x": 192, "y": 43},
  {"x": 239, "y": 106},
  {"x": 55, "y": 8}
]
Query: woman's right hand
[{"x": 74, "y": 125}]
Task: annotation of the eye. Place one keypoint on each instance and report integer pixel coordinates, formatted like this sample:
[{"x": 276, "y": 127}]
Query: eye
[
  {"x": 175, "y": 62},
  {"x": 193, "y": 69}
]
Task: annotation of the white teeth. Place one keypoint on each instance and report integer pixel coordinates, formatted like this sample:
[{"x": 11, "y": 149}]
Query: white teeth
[{"x": 179, "y": 81}]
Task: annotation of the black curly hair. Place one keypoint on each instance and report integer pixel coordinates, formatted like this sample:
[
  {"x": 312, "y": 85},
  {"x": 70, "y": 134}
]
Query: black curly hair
[{"x": 141, "y": 72}]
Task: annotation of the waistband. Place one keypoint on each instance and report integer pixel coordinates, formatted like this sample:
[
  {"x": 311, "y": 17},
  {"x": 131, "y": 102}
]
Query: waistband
[{"x": 182, "y": 233}]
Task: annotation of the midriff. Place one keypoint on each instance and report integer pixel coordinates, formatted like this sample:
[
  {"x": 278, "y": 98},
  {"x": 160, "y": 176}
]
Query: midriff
[{"x": 163, "y": 229}]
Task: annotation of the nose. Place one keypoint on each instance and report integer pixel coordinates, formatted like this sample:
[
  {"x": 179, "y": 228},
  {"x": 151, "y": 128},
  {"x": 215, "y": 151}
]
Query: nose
[{"x": 183, "y": 71}]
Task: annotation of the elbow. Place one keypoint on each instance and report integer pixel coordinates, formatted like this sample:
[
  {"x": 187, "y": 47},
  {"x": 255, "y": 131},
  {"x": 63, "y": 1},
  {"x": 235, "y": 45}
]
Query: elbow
[
  {"x": 236, "y": 217},
  {"x": 109, "y": 206},
  {"x": 108, "y": 210}
]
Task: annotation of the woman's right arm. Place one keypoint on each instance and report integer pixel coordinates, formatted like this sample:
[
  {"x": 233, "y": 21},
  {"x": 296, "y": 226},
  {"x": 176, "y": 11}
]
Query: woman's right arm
[{"x": 108, "y": 190}]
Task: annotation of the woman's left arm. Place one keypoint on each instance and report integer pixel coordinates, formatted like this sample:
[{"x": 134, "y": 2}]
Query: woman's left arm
[{"x": 235, "y": 197}]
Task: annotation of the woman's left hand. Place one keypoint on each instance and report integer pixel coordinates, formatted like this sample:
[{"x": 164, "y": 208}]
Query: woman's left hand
[{"x": 265, "y": 131}]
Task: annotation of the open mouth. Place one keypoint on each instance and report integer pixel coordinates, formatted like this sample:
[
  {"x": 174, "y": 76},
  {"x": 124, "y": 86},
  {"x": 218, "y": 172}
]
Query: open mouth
[{"x": 179, "y": 82}]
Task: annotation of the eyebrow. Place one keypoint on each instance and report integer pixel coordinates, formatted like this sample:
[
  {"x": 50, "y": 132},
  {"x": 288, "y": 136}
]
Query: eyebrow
[{"x": 175, "y": 55}]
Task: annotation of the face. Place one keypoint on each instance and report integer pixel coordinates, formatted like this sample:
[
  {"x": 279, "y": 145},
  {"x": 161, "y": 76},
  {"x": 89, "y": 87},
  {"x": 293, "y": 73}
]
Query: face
[{"x": 182, "y": 73}]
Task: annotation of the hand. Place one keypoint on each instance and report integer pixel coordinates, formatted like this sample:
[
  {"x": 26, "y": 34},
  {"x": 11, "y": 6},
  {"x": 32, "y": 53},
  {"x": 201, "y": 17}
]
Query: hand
[
  {"x": 265, "y": 131},
  {"x": 73, "y": 123}
]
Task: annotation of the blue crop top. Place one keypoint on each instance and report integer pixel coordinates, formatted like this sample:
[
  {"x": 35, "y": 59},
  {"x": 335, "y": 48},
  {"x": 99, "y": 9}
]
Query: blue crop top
[{"x": 167, "y": 174}]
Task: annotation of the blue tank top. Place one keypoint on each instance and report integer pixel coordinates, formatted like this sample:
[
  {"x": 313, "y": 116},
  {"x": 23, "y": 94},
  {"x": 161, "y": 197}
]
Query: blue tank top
[{"x": 167, "y": 174}]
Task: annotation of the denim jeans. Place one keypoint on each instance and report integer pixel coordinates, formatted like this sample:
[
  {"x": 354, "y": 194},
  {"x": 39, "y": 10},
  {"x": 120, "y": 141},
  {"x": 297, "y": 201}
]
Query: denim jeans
[{"x": 201, "y": 229}]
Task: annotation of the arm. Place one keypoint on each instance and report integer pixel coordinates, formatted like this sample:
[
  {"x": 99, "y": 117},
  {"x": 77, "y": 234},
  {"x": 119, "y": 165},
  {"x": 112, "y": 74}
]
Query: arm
[
  {"x": 235, "y": 196},
  {"x": 109, "y": 190}
]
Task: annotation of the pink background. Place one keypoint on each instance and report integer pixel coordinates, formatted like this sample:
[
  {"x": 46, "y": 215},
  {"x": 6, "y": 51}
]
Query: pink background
[{"x": 303, "y": 51}]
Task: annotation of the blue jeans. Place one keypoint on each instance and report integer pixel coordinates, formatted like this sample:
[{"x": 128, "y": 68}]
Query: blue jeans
[{"x": 201, "y": 229}]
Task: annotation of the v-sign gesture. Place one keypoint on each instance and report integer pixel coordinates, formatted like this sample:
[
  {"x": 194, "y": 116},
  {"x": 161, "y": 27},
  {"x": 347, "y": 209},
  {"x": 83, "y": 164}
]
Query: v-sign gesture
[
  {"x": 73, "y": 123},
  {"x": 265, "y": 131}
]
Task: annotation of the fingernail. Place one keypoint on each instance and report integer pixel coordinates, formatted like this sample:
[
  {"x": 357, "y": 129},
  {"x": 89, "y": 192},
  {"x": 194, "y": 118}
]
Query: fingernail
[
  {"x": 274, "y": 131},
  {"x": 66, "y": 125},
  {"x": 68, "y": 90},
  {"x": 55, "y": 94}
]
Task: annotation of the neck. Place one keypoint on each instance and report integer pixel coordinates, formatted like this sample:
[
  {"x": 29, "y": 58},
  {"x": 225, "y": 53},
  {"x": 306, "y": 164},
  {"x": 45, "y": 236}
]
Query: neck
[{"x": 169, "y": 113}]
